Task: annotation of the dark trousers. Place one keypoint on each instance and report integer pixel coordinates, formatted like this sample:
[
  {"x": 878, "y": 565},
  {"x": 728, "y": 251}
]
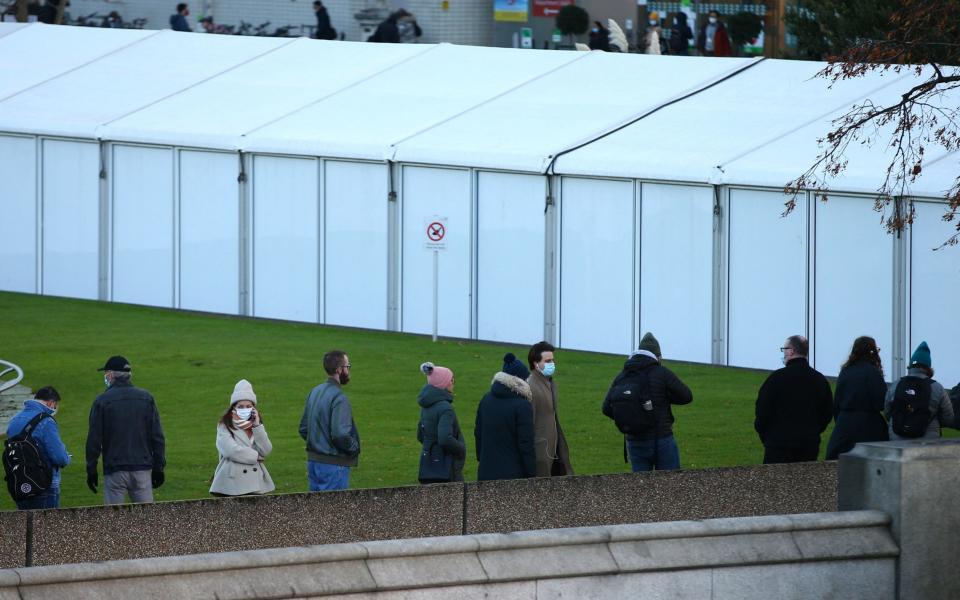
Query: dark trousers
[{"x": 790, "y": 454}]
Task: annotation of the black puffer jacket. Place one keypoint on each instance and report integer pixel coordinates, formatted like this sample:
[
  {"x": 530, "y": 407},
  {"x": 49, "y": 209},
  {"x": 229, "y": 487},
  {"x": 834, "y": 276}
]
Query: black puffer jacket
[
  {"x": 794, "y": 406},
  {"x": 857, "y": 408},
  {"x": 664, "y": 389}
]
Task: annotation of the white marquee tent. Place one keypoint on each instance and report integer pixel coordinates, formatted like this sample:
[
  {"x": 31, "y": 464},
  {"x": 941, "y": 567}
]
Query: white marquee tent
[{"x": 587, "y": 197}]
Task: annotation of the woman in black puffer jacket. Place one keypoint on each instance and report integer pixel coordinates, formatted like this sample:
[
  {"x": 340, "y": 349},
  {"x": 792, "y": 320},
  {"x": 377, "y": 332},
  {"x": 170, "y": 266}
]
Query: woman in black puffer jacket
[{"x": 858, "y": 400}]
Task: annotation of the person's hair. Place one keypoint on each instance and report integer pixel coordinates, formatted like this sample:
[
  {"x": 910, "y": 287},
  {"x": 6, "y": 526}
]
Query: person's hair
[
  {"x": 121, "y": 376},
  {"x": 47, "y": 393},
  {"x": 864, "y": 348},
  {"x": 227, "y": 420},
  {"x": 925, "y": 369},
  {"x": 181, "y": 7},
  {"x": 317, "y": 3},
  {"x": 800, "y": 345},
  {"x": 536, "y": 353},
  {"x": 333, "y": 360},
  {"x": 715, "y": 13}
]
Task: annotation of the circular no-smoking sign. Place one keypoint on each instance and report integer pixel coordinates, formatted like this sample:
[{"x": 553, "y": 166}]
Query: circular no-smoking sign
[{"x": 436, "y": 231}]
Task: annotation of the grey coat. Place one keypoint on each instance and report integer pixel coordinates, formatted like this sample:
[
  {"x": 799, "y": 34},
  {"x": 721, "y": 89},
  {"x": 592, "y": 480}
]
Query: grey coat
[
  {"x": 940, "y": 406},
  {"x": 240, "y": 470}
]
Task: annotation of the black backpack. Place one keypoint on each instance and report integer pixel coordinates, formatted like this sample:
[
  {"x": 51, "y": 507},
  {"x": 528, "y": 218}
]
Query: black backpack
[
  {"x": 631, "y": 407},
  {"x": 910, "y": 410},
  {"x": 26, "y": 473}
]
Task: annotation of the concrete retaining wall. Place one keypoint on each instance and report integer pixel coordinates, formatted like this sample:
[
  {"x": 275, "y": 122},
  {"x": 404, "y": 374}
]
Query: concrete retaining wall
[
  {"x": 833, "y": 555},
  {"x": 233, "y": 524}
]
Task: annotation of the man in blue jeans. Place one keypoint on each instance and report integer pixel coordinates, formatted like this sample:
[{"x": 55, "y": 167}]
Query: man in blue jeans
[
  {"x": 46, "y": 434},
  {"x": 327, "y": 426},
  {"x": 654, "y": 448}
]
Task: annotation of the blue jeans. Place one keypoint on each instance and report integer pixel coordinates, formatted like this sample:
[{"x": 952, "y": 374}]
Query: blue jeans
[
  {"x": 661, "y": 454},
  {"x": 322, "y": 476},
  {"x": 48, "y": 499}
]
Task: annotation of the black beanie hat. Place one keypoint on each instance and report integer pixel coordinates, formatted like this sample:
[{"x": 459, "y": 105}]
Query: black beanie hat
[{"x": 512, "y": 366}]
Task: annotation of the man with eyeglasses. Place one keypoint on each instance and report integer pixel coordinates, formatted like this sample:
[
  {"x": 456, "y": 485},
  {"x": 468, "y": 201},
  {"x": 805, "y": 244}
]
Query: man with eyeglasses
[
  {"x": 327, "y": 426},
  {"x": 794, "y": 407}
]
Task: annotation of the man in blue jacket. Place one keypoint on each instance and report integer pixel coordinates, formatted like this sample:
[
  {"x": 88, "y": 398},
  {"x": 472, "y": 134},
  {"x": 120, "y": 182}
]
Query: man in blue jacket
[
  {"x": 125, "y": 428},
  {"x": 327, "y": 426},
  {"x": 46, "y": 434}
]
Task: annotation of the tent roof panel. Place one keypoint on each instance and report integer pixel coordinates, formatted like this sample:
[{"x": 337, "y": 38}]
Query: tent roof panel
[
  {"x": 562, "y": 109},
  {"x": 37, "y": 52},
  {"x": 410, "y": 97},
  {"x": 125, "y": 81},
  {"x": 269, "y": 87}
]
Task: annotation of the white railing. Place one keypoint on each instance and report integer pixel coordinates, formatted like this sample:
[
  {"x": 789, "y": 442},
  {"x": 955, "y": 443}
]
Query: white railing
[{"x": 9, "y": 366}]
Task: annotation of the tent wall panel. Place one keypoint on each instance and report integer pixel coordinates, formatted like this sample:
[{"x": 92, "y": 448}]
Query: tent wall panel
[
  {"x": 853, "y": 293},
  {"x": 767, "y": 276},
  {"x": 355, "y": 241},
  {"x": 510, "y": 261},
  {"x": 143, "y": 233},
  {"x": 597, "y": 265},
  {"x": 430, "y": 193},
  {"x": 71, "y": 218},
  {"x": 285, "y": 238},
  {"x": 676, "y": 269},
  {"x": 209, "y": 232},
  {"x": 18, "y": 214},
  {"x": 934, "y": 289}
]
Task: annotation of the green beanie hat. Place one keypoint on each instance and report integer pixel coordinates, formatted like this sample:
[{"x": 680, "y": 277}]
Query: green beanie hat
[
  {"x": 650, "y": 344},
  {"x": 921, "y": 356}
]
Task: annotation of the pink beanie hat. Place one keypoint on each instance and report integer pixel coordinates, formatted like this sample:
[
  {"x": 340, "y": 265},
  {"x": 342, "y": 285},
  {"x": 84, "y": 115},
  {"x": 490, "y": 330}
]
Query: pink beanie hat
[{"x": 439, "y": 377}]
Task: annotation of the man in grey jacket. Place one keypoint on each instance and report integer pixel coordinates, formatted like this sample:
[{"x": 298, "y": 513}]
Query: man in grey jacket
[
  {"x": 327, "y": 426},
  {"x": 125, "y": 428}
]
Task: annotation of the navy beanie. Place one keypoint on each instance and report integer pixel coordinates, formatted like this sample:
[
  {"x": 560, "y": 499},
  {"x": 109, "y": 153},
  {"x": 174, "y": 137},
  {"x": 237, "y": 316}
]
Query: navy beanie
[{"x": 512, "y": 366}]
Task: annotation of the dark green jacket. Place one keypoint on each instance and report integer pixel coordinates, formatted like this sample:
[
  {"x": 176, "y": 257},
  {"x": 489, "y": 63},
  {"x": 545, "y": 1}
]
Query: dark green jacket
[{"x": 439, "y": 425}]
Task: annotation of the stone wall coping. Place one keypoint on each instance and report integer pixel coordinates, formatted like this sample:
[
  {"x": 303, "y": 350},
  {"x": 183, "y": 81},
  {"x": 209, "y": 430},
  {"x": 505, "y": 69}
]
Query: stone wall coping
[
  {"x": 507, "y": 556},
  {"x": 908, "y": 450}
]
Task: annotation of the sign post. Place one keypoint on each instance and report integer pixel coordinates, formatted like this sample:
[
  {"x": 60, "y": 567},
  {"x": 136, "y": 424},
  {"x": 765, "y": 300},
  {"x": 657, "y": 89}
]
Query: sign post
[{"x": 436, "y": 232}]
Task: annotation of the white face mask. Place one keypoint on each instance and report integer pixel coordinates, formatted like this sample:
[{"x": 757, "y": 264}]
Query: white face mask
[
  {"x": 244, "y": 413},
  {"x": 713, "y": 20},
  {"x": 106, "y": 382},
  {"x": 653, "y": 23}
]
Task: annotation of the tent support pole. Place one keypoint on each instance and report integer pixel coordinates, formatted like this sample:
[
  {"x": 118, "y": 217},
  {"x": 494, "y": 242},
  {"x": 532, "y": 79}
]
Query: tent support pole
[
  {"x": 901, "y": 291},
  {"x": 719, "y": 288},
  {"x": 393, "y": 248},
  {"x": 550, "y": 252},
  {"x": 244, "y": 205},
  {"x": 103, "y": 263}
]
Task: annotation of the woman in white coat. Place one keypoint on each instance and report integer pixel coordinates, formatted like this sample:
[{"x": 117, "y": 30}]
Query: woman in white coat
[{"x": 243, "y": 445}]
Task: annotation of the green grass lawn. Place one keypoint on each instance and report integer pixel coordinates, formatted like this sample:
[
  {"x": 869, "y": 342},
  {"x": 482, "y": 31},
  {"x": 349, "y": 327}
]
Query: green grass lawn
[{"x": 190, "y": 363}]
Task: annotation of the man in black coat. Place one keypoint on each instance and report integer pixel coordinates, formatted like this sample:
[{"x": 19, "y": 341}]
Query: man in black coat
[
  {"x": 656, "y": 447},
  {"x": 794, "y": 407}
]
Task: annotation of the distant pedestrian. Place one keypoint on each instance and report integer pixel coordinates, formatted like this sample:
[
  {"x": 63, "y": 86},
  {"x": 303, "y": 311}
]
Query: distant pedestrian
[
  {"x": 917, "y": 406},
  {"x": 325, "y": 30},
  {"x": 40, "y": 411},
  {"x": 504, "y": 428},
  {"x": 680, "y": 35},
  {"x": 653, "y": 40},
  {"x": 333, "y": 443},
  {"x": 639, "y": 402},
  {"x": 713, "y": 39},
  {"x": 125, "y": 428},
  {"x": 443, "y": 450},
  {"x": 793, "y": 408},
  {"x": 178, "y": 20},
  {"x": 599, "y": 37},
  {"x": 408, "y": 29},
  {"x": 399, "y": 27},
  {"x": 243, "y": 445},
  {"x": 553, "y": 456},
  {"x": 858, "y": 400}
]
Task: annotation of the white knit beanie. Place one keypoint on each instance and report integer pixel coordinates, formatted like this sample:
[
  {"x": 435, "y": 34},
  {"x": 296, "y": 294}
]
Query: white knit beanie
[{"x": 242, "y": 391}]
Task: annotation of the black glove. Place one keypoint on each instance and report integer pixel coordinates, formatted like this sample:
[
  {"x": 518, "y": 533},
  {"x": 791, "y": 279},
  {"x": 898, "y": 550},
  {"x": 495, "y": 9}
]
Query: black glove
[
  {"x": 157, "y": 478},
  {"x": 92, "y": 480}
]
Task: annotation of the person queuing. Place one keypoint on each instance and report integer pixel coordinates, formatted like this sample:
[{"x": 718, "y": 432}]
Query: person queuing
[
  {"x": 325, "y": 30},
  {"x": 333, "y": 443},
  {"x": 553, "y": 456},
  {"x": 680, "y": 35},
  {"x": 178, "y": 20},
  {"x": 639, "y": 402},
  {"x": 713, "y": 39},
  {"x": 793, "y": 408},
  {"x": 504, "y": 427},
  {"x": 243, "y": 445},
  {"x": 443, "y": 450},
  {"x": 125, "y": 428},
  {"x": 858, "y": 400},
  {"x": 36, "y": 419},
  {"x": 917, "y": 405}
]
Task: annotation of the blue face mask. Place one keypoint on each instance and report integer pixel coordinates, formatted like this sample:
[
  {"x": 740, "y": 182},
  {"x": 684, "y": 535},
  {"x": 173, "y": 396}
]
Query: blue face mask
[{"x": 548, "y": 369}]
